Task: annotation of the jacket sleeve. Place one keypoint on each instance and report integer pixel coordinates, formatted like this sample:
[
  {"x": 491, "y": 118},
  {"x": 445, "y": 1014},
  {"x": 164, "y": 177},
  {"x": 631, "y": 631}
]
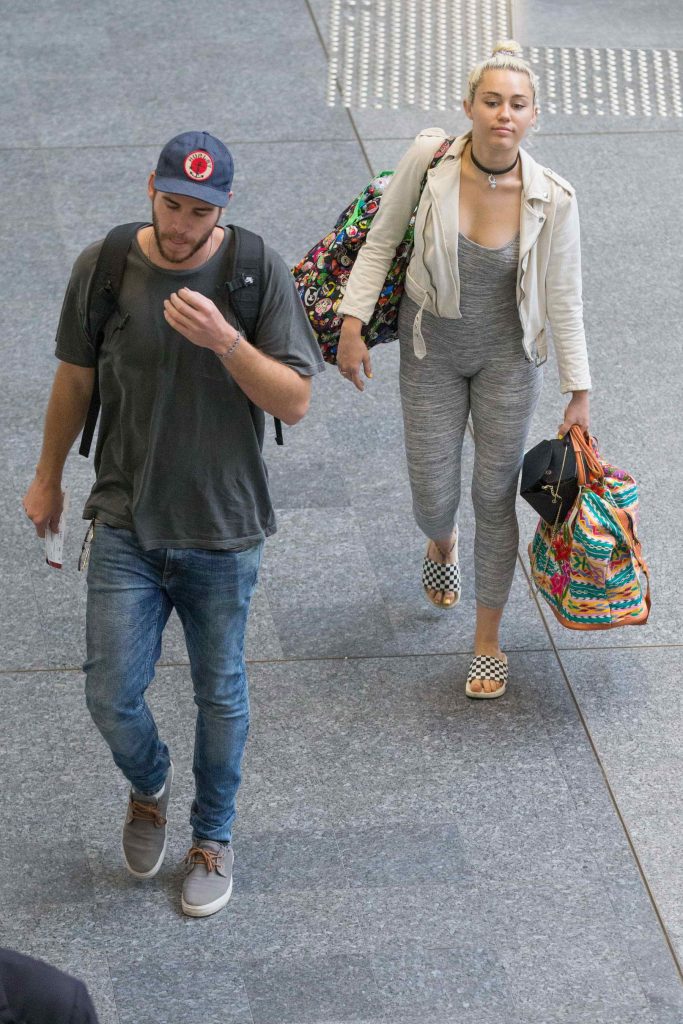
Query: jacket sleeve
[
  {"x": 399, "y": 200},
  {"x": 564, "y": 302}
]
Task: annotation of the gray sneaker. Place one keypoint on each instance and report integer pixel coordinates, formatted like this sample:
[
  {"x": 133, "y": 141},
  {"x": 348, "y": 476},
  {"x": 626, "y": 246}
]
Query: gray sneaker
[
  {"x": 208, "y": 882},
  {"x": 144, "y": 831}
]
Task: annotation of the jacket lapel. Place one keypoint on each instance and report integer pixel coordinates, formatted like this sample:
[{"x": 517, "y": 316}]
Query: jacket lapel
[
  {"x": 444, "y": 188},
  {"x": 442, "y": 191}
]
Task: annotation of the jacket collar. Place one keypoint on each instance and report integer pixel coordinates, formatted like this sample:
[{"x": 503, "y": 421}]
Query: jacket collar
[
  {"x": 457, "y": 146},
  {"x": 534, "y": 182}
]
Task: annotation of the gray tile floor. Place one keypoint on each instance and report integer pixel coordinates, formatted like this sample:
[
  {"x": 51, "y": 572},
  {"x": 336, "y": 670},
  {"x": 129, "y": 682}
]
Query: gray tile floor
[{"x": 402, "y": 854}]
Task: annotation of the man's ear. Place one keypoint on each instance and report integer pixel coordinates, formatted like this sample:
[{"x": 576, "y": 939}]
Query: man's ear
[{"x": 150, "y": 186}]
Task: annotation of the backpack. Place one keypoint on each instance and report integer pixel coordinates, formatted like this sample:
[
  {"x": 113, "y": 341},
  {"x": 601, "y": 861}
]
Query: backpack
[
  {"x": 243, "y": 270},
  {"x": 321, "y": 276},
  {"x": 588, "y": 567}
]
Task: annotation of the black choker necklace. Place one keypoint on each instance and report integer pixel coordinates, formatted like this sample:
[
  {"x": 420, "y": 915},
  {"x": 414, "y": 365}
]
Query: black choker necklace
[{"x": 493, "y": 174}]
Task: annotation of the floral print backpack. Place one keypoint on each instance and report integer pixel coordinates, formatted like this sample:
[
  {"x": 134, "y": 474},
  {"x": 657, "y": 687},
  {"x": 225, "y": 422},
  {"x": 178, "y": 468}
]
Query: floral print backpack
[
  {"x": 322, "y": 274},
  {"x": 590, "y": 568}
]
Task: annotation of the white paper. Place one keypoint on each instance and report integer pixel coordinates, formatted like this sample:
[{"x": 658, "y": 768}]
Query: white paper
[{"x": 54, "y": 542}]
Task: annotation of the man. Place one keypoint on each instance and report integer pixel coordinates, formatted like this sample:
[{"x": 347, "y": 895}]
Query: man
[
  {"x": 31, "y": 990},
  {"x": 180, "y": 505}
]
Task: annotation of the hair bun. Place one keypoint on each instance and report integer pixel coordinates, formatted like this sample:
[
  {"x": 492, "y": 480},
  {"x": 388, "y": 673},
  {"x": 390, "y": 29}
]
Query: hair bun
[
  {"x": 507, "y": 48},
  {"x": 507, "y": 55}
]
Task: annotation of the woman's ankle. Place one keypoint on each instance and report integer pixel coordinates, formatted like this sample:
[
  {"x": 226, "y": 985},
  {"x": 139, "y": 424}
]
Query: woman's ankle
[
  {"x": 445, "y": 546},
  {"x": 490, "y": 647}
]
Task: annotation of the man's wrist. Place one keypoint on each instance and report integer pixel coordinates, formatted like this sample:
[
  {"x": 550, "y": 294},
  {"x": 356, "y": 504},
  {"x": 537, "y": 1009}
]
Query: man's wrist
[
  {"x": 229, "y": 342},
  {"x": 50, "y": 477}
]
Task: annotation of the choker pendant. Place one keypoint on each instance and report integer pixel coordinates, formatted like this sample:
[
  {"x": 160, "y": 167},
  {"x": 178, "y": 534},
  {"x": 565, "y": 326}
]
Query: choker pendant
[{"x": 491, "y": 174}]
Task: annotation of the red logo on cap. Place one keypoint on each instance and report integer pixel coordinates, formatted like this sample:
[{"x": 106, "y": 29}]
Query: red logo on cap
[{"x": 198, "y": 165}]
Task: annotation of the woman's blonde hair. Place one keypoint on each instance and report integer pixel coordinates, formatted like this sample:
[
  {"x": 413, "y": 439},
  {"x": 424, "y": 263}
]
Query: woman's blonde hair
[{"x": 507, "y": 56}]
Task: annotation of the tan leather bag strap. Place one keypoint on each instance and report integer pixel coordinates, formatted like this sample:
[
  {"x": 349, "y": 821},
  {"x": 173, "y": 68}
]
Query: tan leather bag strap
[{"x": 587, "y": 464}]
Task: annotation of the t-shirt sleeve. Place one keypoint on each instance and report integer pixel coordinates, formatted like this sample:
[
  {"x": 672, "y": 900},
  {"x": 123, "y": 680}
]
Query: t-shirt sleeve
[
  {"x": 73, "y": 344},
  {"x": 283, "y": 330}
]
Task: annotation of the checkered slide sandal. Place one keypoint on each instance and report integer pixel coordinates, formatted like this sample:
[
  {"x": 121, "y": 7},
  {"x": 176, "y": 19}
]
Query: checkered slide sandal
[
  {"x": 493, "y": 669},
  {"x": 436, "y": 576}
]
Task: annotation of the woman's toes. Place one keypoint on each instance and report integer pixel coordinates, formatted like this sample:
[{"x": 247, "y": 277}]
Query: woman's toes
[
  {"x": 485, "y": 685},
  {"x": 445, "y": 598}
]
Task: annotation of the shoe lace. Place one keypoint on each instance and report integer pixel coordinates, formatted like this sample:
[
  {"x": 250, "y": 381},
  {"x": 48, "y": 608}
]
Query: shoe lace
[
  {"x": 142, "y": 810},
  {"x": 212, "y": 860}
]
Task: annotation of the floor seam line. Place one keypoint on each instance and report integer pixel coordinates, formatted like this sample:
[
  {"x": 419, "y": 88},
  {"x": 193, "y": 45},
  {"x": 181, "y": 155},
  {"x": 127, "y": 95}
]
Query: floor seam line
[
  {"x": 339, "y": 88},
  {"x": 308, "y": 659},
  {"x": 37, "y": 148}
]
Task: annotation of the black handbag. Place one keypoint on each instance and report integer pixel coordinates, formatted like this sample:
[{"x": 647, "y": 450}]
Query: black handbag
[{"x": 549, "y": 479}]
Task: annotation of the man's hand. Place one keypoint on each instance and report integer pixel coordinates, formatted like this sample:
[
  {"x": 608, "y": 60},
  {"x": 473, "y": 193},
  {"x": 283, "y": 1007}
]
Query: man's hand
[
  {"x": 199, "y": 320},
  {"x": 66, "y": 412},
  {"x": 271, "y": 385},
  {"x": 43, "y": 504},
  {"x": 578, "y": 411}
]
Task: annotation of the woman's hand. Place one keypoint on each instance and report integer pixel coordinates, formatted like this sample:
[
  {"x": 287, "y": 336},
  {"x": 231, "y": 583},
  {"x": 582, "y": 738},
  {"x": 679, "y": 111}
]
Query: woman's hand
[
  {"x": 578, "y": 411},
  {"x": 352, "y": 352}
]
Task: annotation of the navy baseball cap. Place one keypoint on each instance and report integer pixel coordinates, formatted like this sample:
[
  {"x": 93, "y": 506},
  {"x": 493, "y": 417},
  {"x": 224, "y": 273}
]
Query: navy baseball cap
[{"x": 195, "y": 164}]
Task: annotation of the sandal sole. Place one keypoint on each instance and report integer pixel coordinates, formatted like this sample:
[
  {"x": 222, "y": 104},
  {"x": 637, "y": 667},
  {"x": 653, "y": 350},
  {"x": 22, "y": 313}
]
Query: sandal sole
[
  {"x": 437, "y": 604},
  {"x": 483, "y": 695}
]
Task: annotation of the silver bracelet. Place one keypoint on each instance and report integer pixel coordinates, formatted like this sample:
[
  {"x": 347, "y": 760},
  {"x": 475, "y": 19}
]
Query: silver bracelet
[{"x": 226, "y": 355}]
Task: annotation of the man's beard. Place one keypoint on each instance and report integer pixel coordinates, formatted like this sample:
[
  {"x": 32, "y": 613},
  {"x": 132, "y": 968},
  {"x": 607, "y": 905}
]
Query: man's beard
[{"x": 171, "y": 257}]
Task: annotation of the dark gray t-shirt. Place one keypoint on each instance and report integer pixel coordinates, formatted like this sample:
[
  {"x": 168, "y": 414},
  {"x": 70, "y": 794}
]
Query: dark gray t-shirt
[{"x": 178, "y": 456}]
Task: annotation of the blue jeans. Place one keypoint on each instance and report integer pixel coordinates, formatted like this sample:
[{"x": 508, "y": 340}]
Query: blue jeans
[{"x": 131, "y": 593}]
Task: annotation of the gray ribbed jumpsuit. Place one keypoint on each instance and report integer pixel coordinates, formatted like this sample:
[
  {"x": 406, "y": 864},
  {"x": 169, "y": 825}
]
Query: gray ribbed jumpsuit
[{"x": 473, "y": 365}]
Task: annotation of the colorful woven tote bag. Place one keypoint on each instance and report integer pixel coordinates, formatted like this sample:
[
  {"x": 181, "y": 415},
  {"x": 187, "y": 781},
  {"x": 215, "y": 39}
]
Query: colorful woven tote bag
[
  {"x": 590, "y": 568},
  {"x": 322, "y": 274}
]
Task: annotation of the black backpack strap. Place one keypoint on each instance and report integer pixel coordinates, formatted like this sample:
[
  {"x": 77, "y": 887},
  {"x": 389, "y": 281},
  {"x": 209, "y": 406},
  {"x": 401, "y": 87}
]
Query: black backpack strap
[
  {"x": 245, "y": 284},
  {"x": 102, "y": 301}
]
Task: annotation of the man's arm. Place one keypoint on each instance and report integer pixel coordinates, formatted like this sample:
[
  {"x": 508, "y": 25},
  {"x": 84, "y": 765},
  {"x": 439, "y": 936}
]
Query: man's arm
[
  {"x": 64, "y": 419},
  {"x": 272, "y": 386}
]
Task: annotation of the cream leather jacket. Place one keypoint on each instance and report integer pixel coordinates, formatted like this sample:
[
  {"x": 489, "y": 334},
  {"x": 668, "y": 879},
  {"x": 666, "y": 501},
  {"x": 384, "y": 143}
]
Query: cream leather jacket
[{"x": 549, "y": 270}]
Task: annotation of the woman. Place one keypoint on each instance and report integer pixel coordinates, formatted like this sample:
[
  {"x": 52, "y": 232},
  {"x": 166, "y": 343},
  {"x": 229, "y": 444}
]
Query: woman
[{"x": 496, "y": 254}]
